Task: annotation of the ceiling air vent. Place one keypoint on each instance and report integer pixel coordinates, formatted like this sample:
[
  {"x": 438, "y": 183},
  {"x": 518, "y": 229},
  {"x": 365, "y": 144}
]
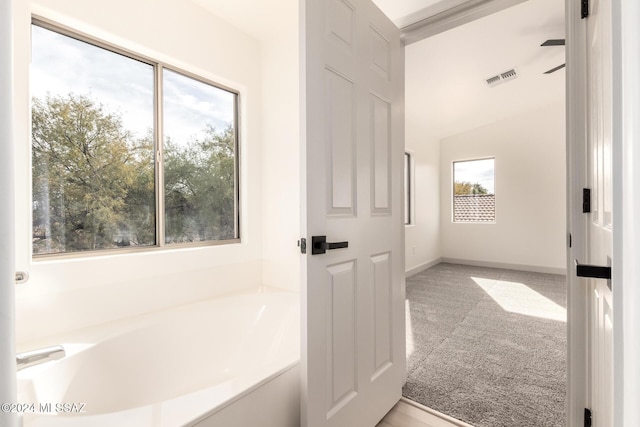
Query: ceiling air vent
[
  {"x": 502, "y": 77},
  {"x": 492, "y": 81}
]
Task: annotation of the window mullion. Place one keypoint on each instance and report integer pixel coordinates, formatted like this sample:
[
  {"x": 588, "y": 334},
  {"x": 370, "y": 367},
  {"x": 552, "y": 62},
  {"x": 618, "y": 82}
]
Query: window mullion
[
  {"x": 159, "y": 138},
  {"x": 236, "y": 213}
]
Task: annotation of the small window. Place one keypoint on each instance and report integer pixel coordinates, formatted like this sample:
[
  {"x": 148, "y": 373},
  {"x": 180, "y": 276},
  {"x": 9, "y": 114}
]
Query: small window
[
  {"x": 408, "y": 219},
  {"x": 106, "y": 143},
  {"x": 474, "y": 197}
]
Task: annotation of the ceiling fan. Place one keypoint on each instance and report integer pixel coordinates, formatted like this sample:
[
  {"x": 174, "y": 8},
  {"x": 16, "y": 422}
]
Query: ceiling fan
[{"x": 554, "y": 42}]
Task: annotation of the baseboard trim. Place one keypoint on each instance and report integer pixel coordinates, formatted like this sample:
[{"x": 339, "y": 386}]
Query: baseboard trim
[
  {"x": 435, "y": 413},
  {"x": 506, "y": 266},
  {"x": 422, "y": 267}
]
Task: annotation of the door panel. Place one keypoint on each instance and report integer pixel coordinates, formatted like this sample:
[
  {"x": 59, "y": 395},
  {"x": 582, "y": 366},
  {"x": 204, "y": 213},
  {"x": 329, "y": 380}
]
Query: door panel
[
  {"x": 341, "y": 335},
  {"x": 353, "y": 352},
  {"x": 382, "y": 313},
  {"x": 341, "y": 131},
  {"x": 381, "y": 149},
  {"x": 380, "y": 53}
]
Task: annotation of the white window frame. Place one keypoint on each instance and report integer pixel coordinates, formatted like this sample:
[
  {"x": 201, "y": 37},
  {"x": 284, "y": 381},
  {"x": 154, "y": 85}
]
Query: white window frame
[{"x": 453, "y": 193}]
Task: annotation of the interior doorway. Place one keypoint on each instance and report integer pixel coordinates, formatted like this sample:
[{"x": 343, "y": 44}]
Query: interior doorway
[{"x": 478, "y": 91}]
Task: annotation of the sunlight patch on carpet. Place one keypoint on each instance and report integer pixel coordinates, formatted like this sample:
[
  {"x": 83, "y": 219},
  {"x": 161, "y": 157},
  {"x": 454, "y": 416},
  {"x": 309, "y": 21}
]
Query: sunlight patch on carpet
[{"x": 518, "y": 298}]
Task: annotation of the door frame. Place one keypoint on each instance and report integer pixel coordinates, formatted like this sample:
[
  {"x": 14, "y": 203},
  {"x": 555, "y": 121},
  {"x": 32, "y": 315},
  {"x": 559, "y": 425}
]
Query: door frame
[
  {"x": 576, "y": 115},
  {"x": 8, "y": 387},
  {"x": 626, "y": 201},
  {"x": 626, "y": 204}
]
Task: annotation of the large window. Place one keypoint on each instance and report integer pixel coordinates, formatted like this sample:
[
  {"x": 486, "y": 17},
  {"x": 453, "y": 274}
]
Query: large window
[
  {"x": 126, "y": 152},
  {"x": 474, "y": 197}
]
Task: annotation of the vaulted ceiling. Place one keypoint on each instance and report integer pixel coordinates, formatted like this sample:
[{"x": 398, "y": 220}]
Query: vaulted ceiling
[{"x": 448, "y": 71}]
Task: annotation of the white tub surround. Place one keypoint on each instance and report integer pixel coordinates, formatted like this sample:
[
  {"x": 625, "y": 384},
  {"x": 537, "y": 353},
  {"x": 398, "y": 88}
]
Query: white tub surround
[{"x": 175, "y": 367}]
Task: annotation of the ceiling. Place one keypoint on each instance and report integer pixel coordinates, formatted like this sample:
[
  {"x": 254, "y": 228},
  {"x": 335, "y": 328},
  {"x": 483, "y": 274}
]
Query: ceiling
[
  {"x": 451, "y": 67},
  {"x": 447, "y": 72},
  {"x": 401, "y": 12}
]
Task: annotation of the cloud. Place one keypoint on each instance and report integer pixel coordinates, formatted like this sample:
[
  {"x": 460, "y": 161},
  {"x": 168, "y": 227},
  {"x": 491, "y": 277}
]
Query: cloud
[
  {"x": 477, "y": 171},
  {"x": 62, "y": 65},
  {"x": 189, "y": 105}
]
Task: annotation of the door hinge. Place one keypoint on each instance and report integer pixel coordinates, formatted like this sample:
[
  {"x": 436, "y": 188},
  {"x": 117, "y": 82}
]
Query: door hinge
[
  {"x": 584, "y": 8},
  {"x": 586, "y": 200},
  {"x": 587, "y": 417},
  {"x": 570, "y": 240},
  {"x": 302, "y": 243}
]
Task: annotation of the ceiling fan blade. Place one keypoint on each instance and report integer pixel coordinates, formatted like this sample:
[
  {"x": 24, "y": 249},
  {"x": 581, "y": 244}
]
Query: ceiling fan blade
[
  {"x": 553, "y": 70},
  {"x": 553, "y": 42}
]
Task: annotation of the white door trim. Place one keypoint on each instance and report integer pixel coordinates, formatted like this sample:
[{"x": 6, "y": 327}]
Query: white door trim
[
  {"x": 8, "y": 389},
  {"x": 626, "y": 203}
]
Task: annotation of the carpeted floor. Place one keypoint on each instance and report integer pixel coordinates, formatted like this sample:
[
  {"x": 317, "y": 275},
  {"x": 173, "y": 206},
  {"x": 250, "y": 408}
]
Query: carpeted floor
[{"x": 473, "y": 355}]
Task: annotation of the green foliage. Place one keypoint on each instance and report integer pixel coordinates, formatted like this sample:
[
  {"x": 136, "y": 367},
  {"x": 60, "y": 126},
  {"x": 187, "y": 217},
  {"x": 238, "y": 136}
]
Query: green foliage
[
  {"x": 86, "y": 168},
  {"x": 94, "y": 182},
  {"x": 466, "y": 188},
  {"x": 199, "y": 187}
]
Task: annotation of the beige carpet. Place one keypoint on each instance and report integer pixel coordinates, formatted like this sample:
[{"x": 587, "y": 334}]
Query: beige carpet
[{"x": 488, "y": 346}]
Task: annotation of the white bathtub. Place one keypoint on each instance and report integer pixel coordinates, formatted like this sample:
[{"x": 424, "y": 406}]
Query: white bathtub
[{"x": 226, "y": 362}]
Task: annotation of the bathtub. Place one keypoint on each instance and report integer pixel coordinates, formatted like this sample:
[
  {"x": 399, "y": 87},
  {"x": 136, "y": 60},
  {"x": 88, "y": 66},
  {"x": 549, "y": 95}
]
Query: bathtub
[{"x": 230, "y": 361}]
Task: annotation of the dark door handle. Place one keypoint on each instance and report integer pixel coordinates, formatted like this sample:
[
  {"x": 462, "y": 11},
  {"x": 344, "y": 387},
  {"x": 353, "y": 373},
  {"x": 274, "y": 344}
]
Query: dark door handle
[
  {"x": 319, "y": 245},
  {"x": 593, "y": 271}
]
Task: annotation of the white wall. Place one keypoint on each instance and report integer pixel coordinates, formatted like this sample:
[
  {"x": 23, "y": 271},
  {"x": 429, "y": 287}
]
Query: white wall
[
  {"x": 423, "y": 237},
  {"x": 530, "y": 228},
  {"x": 281, "y": 159},
  {"x": 71, "y": 293}
]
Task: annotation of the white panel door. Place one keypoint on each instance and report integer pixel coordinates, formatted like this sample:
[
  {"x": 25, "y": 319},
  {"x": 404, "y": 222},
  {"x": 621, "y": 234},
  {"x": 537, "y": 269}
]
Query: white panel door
[
  {"x": 599, "y": 133},
  {"x": 353, "y": 352}
]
